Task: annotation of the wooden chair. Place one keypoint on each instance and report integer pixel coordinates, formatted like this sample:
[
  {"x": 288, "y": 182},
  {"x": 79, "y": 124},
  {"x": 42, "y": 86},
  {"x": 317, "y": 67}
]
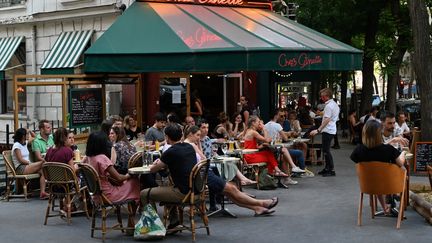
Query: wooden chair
[
  {"x": 429, "y": 170},
  {"x": 62, "y": 183},
  {"x": 135, "y": 160},
  {"x": 415, "y": 138},
  {"x": 194, "y": 199},
  {"x": 102, "y": 204},
  {"x": 380, "y": 178},
  {"x": 315, "y": 148},
  {"x": 20, "y": 180}
]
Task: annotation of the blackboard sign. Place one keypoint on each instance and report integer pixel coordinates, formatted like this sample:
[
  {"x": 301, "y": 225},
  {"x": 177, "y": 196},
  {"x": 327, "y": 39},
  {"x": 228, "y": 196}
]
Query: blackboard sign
[
  {"x": 85, "y": 107},
  {"x": 422, "y": 156}
]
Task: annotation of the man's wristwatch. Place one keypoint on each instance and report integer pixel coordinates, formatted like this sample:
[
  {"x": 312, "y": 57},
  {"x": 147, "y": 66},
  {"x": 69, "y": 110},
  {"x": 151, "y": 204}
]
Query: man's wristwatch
[{"x": 318, "y": 130}]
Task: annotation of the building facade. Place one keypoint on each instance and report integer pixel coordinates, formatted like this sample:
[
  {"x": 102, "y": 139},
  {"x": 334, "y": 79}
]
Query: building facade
[{"x": 37, "y": 25}]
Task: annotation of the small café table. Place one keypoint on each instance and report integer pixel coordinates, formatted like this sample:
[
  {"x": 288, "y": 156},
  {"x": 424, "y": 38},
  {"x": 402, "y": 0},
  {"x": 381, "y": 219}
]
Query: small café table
[
  {"x": 141, "y": 170},
  {"x": 224, "y": 165}
]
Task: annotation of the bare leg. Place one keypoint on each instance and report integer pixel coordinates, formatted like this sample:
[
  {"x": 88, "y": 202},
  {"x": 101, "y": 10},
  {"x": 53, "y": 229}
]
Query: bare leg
[
  {"x": 36, "y": 168},
  {"x": 243, "y": 179},
  {"x": 243, "y": 200},
  {"x": 383, "y": 204},
  {"x": 287, "y": 157}
]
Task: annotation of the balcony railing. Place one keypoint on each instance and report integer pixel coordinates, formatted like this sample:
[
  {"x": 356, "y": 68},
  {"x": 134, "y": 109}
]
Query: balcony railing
[{"x": 10, "y": 3}]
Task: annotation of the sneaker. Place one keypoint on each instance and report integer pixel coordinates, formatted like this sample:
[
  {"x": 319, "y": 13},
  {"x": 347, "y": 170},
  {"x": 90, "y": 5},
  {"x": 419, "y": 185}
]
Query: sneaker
[
  {"x": 297, "y": 170},
  {"x": 329, "y": 173},
  {"x": 307, "y": 173},
  {"x": 290, "y": 181}
]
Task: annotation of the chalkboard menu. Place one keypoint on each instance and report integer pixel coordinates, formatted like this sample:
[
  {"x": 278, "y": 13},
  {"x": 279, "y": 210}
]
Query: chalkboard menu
[
  {"x": 422, "y": 156},
  {"x": 85, "y": 107}
]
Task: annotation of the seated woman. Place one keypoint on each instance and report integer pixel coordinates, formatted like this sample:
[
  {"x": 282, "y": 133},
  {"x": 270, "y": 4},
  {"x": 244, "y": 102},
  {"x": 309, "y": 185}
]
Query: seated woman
[
  {"x": 239, "y": 126},
  {"x": 95, "y": 156},
  {"x": 121, "y": 150},
  {"x": 251, "y": 139},
  {"x": 224, "y": 128},
  {"x": 373, "y": 149},
  {"x": 131, "y": 128},
  {"x": 355, "y": 126},
  {"x": 61, "y": 152},
  {"x": 21, "y": 160}
]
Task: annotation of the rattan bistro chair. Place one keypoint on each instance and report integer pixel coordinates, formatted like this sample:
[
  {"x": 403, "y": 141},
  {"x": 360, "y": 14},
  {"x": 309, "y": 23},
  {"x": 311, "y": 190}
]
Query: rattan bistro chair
[
  {"x": 135, "y": 160},
  {"x": 102, "y": 204},
  {"x": 380, "y": 178},
  {"x": 20, "y": 180},
  {"x": 62, "y": 184},
  {"x": 194, "y": 199}
]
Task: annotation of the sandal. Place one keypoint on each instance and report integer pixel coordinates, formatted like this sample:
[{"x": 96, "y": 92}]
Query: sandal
[
  {"x": 273, "y": 204},
  {"x": 43, "y": 196},
  {"x": 266, "y": 212},
  {"x": 280, "y": 174}
]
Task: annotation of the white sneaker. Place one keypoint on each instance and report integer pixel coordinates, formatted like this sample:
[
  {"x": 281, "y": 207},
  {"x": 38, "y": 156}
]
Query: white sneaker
[
  {"x": 290, "y": 181},
  {"x": 297, "y": 170},
  {"x": 307, "y": 173}
]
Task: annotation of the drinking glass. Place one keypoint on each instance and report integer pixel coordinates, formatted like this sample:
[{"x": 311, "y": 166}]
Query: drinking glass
[
  {"x": 224, "y": 148},
  {"x": 214, "y": 150}
]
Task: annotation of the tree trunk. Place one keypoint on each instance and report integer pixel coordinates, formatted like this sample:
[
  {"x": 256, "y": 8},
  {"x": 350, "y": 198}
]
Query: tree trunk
[
  {"x": 344, "y": 106},
  {"x": 368, "y": 59},
  {"x": 396, "y": 61},
  {"x": 422, "y": 62}
]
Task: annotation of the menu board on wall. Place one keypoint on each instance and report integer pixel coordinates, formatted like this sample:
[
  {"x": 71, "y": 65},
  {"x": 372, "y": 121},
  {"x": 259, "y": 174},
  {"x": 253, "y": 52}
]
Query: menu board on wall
[
  {"x": 422, "y": 156},
  {"x": 86, "y": 107}
]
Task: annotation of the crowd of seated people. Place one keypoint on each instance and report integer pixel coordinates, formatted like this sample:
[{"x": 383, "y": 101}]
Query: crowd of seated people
[{"x": 110, "y": 149}]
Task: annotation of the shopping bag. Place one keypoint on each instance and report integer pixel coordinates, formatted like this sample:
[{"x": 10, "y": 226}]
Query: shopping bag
[{"x": 149, "y": 226}]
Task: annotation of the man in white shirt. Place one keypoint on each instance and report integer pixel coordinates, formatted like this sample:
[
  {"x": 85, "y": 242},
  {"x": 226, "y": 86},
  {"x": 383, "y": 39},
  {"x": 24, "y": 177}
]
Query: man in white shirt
[
  {"x": 275, "y": 131},
  {"x": 389, "y": 135},
  {"x": 328, "y": 130},
  {"x": 401, "y": 126}
]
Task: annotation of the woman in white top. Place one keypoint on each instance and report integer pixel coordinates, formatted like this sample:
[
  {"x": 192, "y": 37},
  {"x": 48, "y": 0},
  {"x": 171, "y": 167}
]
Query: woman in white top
[{"x": 21, "y": 159}]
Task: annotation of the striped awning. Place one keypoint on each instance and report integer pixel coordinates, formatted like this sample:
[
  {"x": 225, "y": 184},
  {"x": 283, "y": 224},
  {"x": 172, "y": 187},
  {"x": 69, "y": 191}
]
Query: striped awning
[
  {"x": 8, "y": 46},
  {"x": 66, "y": 51}
]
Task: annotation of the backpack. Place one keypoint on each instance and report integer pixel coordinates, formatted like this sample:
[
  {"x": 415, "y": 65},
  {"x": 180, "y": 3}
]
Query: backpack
[{"x": 265, "y": 181}]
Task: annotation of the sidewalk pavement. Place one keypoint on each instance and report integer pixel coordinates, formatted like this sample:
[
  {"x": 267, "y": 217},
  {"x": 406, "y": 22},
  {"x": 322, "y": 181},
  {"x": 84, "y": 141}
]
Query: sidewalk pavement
[{"x": 318, "y": 209}]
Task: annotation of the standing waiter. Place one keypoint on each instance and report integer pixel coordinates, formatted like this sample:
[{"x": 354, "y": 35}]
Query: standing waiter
[{"x": 328, "y": 129}]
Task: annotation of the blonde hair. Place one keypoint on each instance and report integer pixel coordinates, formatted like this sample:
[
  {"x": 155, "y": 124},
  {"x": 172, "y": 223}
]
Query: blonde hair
[
  {"x": 251, "y": 120},
  {"x": 372, "y": 134},
  {"x": 327, "y": 92}
]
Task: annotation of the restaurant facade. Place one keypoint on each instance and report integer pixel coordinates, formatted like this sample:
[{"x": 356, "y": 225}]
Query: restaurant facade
[{"x": 221, "y": 48}]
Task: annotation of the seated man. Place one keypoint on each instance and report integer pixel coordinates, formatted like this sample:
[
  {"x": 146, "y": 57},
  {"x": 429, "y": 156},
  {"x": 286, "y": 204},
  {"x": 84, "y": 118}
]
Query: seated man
[
  {"x": 180, "y": 158},
  {"x": 275, "y": 130}
]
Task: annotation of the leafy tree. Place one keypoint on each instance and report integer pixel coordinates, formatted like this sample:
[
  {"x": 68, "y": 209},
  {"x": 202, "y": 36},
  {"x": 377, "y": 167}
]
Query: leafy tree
[{"x": 422, "y": 61}]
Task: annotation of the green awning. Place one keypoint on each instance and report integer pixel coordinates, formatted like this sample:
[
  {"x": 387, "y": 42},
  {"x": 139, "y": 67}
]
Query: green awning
[
  {"x": 8, "y": 46},
  {"x": 162, "y": 37},
  {"x": 66, "y": 51}
]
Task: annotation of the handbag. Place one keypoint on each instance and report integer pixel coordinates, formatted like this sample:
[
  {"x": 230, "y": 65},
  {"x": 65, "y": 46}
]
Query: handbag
[{"x": 149, "y": 226}]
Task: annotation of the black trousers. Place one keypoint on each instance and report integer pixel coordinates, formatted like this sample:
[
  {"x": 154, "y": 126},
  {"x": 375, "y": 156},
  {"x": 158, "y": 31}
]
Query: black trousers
[{"x": 326, "y": 143}]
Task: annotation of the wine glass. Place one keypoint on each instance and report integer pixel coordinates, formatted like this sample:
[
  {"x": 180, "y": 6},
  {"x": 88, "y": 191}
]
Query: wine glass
[
  {"x": 224, "y": 148},
  {"x": 214, "y": 150}
]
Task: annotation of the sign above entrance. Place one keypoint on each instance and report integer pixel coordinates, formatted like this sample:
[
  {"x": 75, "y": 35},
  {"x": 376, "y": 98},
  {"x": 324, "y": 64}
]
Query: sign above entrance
[
  {"x": 229, "y": 3},
  {"x": 303, "y": 60}
]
